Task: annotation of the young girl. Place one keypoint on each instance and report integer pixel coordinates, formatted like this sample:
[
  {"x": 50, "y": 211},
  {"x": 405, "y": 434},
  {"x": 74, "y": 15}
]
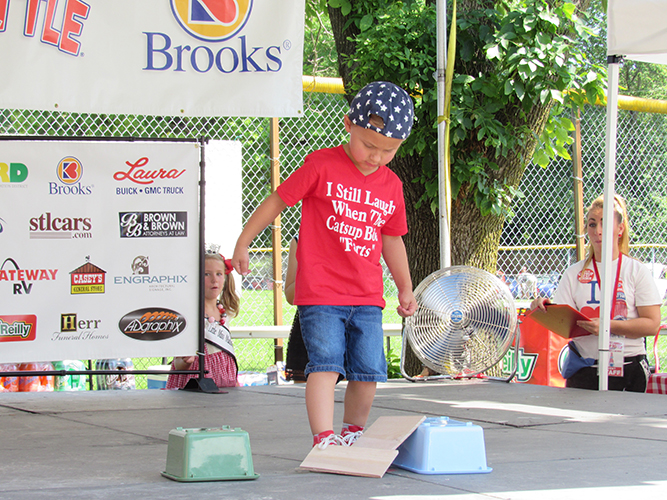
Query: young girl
[{"x": 220, "y": 302}]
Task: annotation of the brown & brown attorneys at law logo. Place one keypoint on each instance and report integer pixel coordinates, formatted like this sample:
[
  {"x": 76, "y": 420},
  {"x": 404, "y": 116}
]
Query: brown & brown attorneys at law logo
[
  {"x": 87, "y": 278},
  {"x": 152, "y": 323}
]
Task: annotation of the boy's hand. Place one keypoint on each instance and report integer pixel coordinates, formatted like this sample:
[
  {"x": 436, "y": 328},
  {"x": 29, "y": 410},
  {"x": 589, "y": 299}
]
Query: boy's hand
[
  {"x": 241, "y": 260},
  {"x": 407, "y": 304}
]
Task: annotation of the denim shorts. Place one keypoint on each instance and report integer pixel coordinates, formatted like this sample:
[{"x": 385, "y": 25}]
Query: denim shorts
[{"x": 344, "y": 339}]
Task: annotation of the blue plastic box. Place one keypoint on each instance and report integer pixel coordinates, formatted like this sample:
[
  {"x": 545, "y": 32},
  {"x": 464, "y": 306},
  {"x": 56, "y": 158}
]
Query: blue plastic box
[{"x": 444, "y": 446}]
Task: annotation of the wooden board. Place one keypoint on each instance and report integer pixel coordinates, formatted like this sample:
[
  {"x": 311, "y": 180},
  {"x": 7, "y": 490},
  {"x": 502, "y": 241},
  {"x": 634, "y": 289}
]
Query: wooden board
[
  {"x": 387, "y": 433},
  {"x": 371, "y": 455},
  {"x": 349, "y": 460},
  {"x": 560, "y": 319}
]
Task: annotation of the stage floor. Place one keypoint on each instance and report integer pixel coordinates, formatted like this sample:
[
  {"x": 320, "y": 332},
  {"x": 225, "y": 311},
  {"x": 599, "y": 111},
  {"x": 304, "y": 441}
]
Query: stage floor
[{"x": 541, "y": 442}]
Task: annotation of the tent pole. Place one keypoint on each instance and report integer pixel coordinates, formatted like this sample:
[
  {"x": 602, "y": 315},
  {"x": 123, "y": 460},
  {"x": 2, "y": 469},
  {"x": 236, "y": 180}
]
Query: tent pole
[
  {"x": 443, "y": 182},
  {"x": 613, "y": 63}
]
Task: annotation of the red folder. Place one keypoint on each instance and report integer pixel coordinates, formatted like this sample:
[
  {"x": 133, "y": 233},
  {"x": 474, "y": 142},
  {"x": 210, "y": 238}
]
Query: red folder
[{"x": 560, "y": 319}]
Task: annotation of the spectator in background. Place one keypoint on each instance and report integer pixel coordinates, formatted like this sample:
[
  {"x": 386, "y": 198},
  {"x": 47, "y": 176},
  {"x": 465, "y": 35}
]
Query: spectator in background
[
  {"x": 527, "y": 284},
  {"x": 635, "y": 307},
  {"x": 297, "y": 356}
]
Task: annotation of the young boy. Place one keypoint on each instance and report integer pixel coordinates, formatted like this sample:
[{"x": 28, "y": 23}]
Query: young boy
[{"x": 353, "y": 211}]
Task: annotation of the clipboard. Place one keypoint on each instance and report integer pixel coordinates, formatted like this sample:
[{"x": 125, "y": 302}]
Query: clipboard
[{"x": 560, "y": 319}]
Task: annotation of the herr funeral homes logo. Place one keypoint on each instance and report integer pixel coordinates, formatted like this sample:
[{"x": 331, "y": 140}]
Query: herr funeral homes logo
[
  {"x": 87, "y": 278},
  {"x": 73, "y": 327}
]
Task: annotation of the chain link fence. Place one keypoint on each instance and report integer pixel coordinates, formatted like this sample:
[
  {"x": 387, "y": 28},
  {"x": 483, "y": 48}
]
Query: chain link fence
[{"x": 538, "y": 239}]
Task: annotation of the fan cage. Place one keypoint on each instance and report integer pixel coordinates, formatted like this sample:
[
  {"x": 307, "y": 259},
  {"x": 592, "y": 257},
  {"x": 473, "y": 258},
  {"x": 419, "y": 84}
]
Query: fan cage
[{"x": 465, "y": 321}]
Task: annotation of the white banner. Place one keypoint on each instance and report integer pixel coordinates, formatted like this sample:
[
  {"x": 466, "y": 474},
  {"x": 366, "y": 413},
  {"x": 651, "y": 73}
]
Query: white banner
[
  {"x": 99, "y": 250},
  {"x": 156, "y": 57}
]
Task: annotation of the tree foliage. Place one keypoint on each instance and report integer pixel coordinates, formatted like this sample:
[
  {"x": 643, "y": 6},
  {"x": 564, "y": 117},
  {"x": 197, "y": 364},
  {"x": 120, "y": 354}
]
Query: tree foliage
[{"x": 512, "y": 57}]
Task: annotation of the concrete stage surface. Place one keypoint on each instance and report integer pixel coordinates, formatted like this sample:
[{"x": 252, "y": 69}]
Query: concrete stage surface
[{"x": 542, "y": 443}]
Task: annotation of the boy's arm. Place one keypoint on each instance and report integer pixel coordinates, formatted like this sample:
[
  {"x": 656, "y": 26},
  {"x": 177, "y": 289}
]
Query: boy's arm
[
  {"x": 261, "y": 217},
  {"x": 393, "y": 251}
]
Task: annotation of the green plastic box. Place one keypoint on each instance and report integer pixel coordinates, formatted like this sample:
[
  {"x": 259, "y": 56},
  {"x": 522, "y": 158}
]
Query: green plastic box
[{"x": 213, "y": 454}]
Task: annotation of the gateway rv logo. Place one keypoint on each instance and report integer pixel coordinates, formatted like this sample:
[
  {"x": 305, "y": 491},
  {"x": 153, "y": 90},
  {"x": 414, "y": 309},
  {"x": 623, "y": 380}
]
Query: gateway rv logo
[{"x": 212, "y": 20}]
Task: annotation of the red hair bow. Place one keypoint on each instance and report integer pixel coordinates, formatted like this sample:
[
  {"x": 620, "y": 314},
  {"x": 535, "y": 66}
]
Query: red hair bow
[{"x": 228, "y": 265}]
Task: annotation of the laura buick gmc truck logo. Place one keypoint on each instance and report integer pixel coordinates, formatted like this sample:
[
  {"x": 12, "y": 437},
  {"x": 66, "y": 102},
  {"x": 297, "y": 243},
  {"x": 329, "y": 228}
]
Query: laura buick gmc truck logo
[{"x": 152, "y": 323}]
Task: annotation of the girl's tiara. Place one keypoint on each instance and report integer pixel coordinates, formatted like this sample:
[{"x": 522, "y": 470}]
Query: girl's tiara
[{"x": 213, "y": 249}]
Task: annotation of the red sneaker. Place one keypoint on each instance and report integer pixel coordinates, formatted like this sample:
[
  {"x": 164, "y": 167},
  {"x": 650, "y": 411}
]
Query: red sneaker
[
  {"x": 351, "y": 433},
  {"x": 325, "y": 438}
]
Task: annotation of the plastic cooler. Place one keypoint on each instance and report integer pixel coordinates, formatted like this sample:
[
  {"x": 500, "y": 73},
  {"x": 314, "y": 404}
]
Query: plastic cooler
[
  {"x": 217, "y": 454},
  {"x": 444, "y": 446}
]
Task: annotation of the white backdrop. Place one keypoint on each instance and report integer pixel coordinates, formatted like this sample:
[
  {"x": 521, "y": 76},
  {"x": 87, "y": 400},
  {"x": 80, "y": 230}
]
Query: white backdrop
[
  {"x": 159, "y": 57},
  {"x": 99, "y": 250},
  {"x": 223, "y": 197}
]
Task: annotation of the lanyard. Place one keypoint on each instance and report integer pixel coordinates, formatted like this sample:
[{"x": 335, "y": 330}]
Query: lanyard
[{"x": 618, "y": 275}]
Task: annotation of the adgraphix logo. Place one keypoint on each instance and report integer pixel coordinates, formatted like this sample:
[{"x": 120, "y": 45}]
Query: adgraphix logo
[{"x": 212, "y": 20}]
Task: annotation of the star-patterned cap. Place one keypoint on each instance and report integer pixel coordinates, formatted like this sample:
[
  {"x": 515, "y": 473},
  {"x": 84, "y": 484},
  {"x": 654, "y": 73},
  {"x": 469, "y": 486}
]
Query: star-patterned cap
[{"x": 389, "y": 102}]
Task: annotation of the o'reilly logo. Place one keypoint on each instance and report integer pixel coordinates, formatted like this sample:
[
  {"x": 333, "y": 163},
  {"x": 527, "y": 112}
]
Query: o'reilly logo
[{"x": 152, "y": 323}]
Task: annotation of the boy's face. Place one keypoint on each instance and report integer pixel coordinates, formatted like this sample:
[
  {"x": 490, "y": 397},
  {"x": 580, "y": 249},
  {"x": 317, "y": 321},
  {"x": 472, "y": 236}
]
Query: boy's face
[{"x": 367, "y": 149}]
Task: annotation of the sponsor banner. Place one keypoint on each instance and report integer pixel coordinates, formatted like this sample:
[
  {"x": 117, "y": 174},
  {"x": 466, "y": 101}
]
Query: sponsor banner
[
  {"x": 156, "y": 57},
  {"x": 99, "y": 250}
]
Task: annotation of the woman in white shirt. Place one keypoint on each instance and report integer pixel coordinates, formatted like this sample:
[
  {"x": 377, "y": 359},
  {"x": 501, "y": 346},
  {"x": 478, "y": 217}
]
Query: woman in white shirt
[{"x": 635, "y": 308}]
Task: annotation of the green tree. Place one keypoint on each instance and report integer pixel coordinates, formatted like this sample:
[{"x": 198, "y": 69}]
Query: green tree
[{"x": 515, "y": 60}]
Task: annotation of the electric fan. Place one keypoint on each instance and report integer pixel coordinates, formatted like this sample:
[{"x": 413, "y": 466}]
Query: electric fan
[{"x": 465, "y": 322}]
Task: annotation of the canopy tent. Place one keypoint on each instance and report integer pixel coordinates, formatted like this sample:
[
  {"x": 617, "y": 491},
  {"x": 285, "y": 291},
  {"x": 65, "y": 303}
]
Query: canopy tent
[{"x": 635, "y": 30}]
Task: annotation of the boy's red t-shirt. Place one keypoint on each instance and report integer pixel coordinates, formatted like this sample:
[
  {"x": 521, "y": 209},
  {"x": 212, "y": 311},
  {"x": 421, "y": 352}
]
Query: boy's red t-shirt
[{"x": 343, "y": 217}]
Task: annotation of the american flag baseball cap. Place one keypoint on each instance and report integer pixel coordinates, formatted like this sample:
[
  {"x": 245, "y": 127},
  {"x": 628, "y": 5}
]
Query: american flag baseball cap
[{"x": 389, "y": 102}]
